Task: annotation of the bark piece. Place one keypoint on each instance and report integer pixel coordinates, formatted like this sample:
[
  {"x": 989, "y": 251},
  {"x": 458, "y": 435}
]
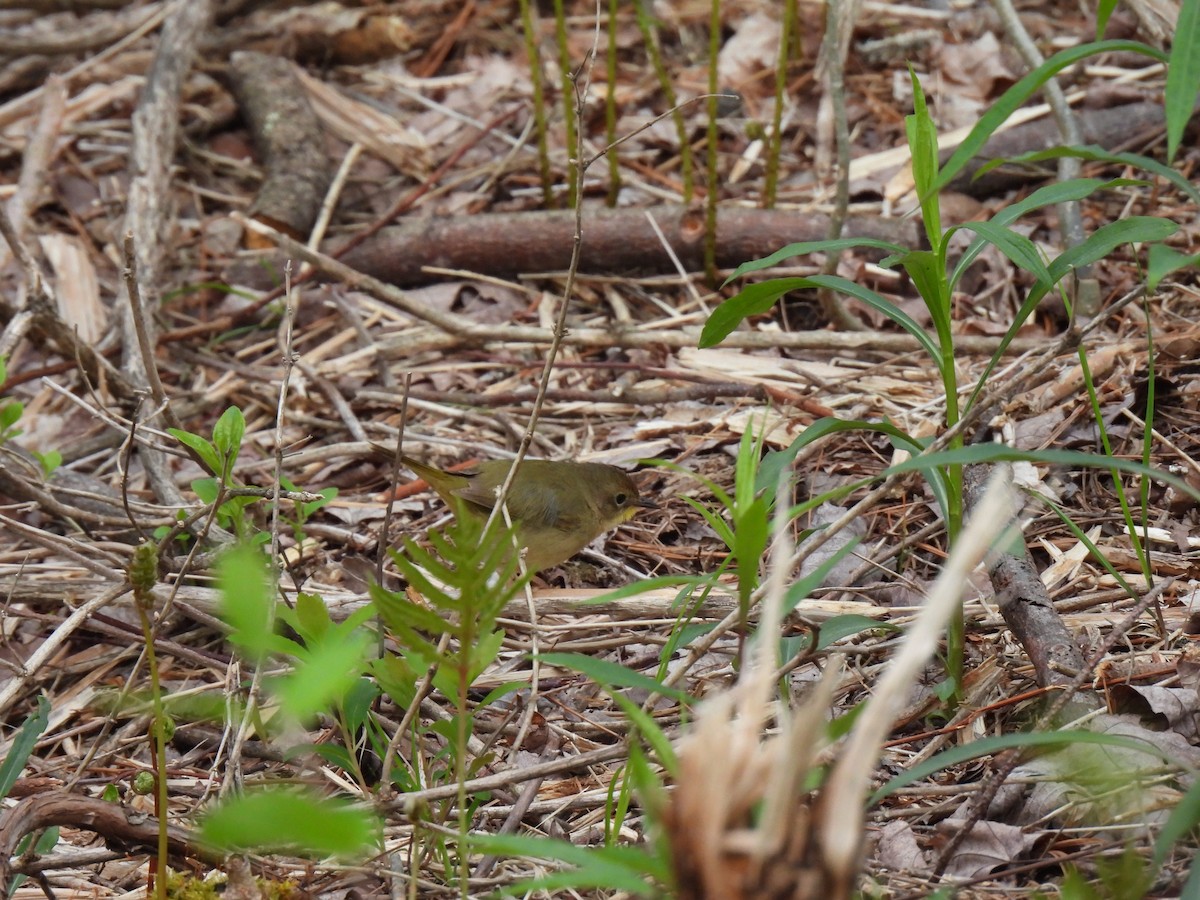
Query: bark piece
[
  {"x": 288, "y": 137},
  {"x": 1025, "y": 605}
]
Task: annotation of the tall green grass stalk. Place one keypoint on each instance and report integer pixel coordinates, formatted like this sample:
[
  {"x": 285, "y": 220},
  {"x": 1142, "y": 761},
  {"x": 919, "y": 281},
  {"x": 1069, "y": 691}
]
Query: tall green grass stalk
[
  {"x": 534, "y": 53},
  {"x": 712, "y": 135},
  {"x": 775, "y": 139},
  {"x": 571, "y": 124},
  {"x": 143, "y": 576},
  {"x": 650, "y": 35},
  {"x": 610, "y": 105}
]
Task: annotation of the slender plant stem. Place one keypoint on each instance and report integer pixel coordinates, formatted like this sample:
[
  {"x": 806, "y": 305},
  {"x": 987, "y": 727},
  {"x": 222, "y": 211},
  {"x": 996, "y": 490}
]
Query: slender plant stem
[
  {"x": 835, "y": 85},
  {"x": 650, "y": 35},
  {"x": 571, "y": 122},
  {"x": 610, "y": 106},
  {"x": 529, "y": 27},
  {"x": 712, "y": 139},
  {"x": 460, "y": 756},
  {"x": 775, "y": 139}
]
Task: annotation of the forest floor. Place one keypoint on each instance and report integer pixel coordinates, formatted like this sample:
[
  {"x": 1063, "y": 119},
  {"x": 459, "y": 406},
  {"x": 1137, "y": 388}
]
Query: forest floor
[{"x": 202, "y": 137}]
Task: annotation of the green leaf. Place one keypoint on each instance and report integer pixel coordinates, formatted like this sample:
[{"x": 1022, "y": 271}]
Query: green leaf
[
  {"x": 1107, "y": 238},
  {"x": 327, "y": 496},
  {"x": 1058, "y": 192},
  {"x": 228, "y": 433},
  {"x": 22, "y": 745},
  {"x": 612, "y": 674},
  {"x": 356, "y": 705},
  {"x": 829, "y": 425},
  {"x": 1104, "y": 9},
  {"x": 502, "y": 690},
  {"x": 839, "y": 627},
  {"x": 311, "y": 617},
  {"x": 928, "y": 272},
  {"x": 483, "y": 653},
  {"x": 202, "y": 448},
  {"x": 616, "y": 868},
  {"x": 985, "y": 453},
  {"x": 1182, "y": 821},
  {"x": 751, "y": 532},
  {"x": 755, "y": 299},
  {"x": 1163, "y": 260},
  {"x": 1183, "y": 74},
  {"x": 752, "y": 300},
  {"x": 649, "y": 787},
  {"x": 46, "y": 842},
  {"x": 806, "y": 247},
  {"x": 323, "y": 676},
  {"x": 1080, "y": 535},
  {"x": 1094, "y": 153},
  {"x": 990, "y": 745},
  {"x": 10, "y": 414},
  {"x": 714, "y": 520},
  {"x": 1136, "y": 229},
  {"x": 277, "y": 820},
  {"x": 773, "y": 462},
  {"x": 402, "y": 615},
  {"x": 1016, "y": 95},
  {"x": 49, "y": 461},
  {"x": 397, "y": 678},
  {"x": 1191, "y": 887},
  {"x": 650, "y": 730},
  {"x": 334, "y": 754},
  {"x": 745, "y": 486},
  {"x": 1016, "y": 247},
  {"x": 840, "y": 726},
  {"x": 900, "y": 440},
  {"x": 801, "y": 590},
  {"x": 204, "y": 706},
  {"x": 922, "y": 143},
  {"x": 206, "y": 489},
  {"x": 247, "y": 600}
]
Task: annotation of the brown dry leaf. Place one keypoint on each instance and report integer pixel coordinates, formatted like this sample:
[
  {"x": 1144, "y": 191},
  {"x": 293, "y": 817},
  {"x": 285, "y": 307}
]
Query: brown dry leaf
[
  {"x": 989, "y": 846},
  {"x": 1174, "y": 708},
  {"x": 483, "y": 304},
  {"x": 775, "y": 429},
  {"x": 897, "y": 849},
  {"x": 979, "y": 73},
  {"x": 1188, "y": 667},
  {"x": 840, "y": 574},
  {"x": 358, "y": 122},
  {"x": 752, "y": 49}
]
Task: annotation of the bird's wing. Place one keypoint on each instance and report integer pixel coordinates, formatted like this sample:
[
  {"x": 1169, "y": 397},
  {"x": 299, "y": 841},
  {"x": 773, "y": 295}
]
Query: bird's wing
[
  {"x": 477, "y": 494},
  {"x": 549, "y": 509}
]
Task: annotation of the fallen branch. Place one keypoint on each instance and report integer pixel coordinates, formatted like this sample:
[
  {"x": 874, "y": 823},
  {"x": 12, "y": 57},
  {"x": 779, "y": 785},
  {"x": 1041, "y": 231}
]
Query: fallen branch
[
  {"x": 614, "y": 240},
  {"x": 121, "y": 828}
]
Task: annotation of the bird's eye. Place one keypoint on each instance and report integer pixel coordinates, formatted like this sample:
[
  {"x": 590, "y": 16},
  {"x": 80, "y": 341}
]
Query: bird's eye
[{"x": 621, "y": 498}]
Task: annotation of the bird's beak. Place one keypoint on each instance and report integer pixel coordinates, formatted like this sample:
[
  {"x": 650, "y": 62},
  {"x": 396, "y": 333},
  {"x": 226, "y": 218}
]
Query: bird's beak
[{"x": 645, "y": 504}]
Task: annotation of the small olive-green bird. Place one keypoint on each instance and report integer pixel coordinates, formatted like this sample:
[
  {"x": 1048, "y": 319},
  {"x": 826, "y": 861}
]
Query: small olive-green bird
[{"x": 557, "y": 508}]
